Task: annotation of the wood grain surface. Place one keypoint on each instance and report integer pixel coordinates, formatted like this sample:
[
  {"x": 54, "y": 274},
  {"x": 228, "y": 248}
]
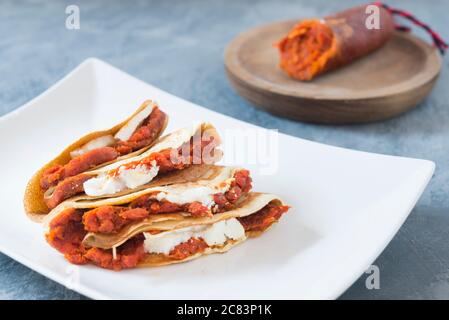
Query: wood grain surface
[{"x": 386, "y": 83}]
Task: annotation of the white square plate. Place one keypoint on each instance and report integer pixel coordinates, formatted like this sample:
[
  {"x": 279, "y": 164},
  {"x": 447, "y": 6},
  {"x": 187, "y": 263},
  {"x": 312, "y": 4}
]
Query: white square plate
[{"x": 346, "y": 205}]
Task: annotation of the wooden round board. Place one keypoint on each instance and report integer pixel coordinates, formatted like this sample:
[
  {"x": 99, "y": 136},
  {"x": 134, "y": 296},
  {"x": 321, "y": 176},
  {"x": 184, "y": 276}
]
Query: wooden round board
[{"x": 385, "y": 83}]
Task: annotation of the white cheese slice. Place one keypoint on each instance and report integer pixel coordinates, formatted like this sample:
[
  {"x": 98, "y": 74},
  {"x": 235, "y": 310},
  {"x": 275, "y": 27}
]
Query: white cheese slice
[
  {"x": 128, "y": 129},
  {"x": 214, "y": 234},
  {"x": 176, "y": 139},
  {"x": 188, "y": 193},
  {"x": 105, "y": 184},
  {"x": 99, "y": 142}
]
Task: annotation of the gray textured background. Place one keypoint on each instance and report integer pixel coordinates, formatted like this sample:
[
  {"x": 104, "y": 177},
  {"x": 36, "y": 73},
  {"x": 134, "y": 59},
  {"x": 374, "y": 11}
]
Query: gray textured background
[{"x": 178, "y": 46}]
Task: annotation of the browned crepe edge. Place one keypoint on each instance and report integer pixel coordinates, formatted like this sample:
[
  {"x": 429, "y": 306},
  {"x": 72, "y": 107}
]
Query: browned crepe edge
[{"x": 33, "y": 200}]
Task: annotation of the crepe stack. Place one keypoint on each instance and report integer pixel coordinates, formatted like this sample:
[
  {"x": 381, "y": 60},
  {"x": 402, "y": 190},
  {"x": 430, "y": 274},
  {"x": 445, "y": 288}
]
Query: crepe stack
[{"x": 129, "y": 197}]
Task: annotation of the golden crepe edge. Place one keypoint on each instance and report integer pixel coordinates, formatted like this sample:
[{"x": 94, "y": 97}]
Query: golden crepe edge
[{"x": 33, "y": 199}]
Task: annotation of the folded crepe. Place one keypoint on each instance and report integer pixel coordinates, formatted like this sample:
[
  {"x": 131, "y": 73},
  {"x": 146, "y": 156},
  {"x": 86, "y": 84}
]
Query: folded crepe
[
  {"x": 126, "y": 197},
  {"x": 161, "y": 238},
  {"x": 126, "y": 139},
  {"x": 191, "y": 145}
]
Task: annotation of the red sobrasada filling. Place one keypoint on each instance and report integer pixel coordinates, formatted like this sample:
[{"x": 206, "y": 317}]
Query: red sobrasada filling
[
  {"x": 264, "y": 218},
  {"x": 67, "y": 232},
  {"x": 166, "y": 160},
  {"x": 305, "y": 50},
  {"x": 143, "y": 136}
]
